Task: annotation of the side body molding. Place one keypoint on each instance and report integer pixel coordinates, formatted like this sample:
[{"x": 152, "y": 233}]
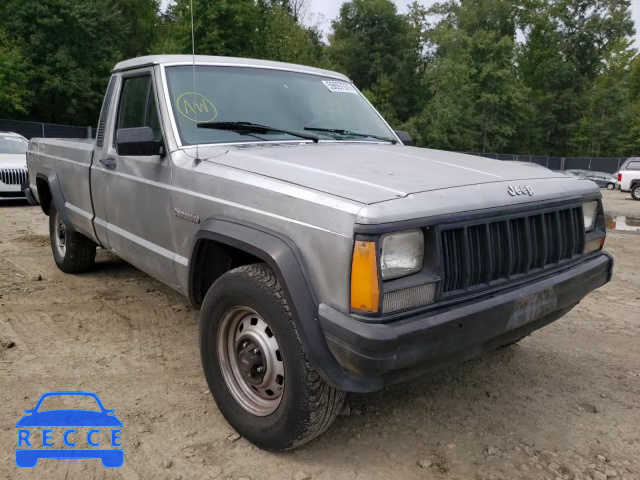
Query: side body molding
[{"x": 284, "y": 258}]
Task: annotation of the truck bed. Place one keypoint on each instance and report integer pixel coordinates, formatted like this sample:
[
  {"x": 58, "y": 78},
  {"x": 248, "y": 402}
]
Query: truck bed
[{"x": 66, "y": 163}]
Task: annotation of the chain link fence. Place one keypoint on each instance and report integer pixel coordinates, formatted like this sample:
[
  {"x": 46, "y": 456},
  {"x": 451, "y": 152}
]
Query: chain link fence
[
  {"x": 45, "y": 130},
  {"x": 596, "y": 164}
]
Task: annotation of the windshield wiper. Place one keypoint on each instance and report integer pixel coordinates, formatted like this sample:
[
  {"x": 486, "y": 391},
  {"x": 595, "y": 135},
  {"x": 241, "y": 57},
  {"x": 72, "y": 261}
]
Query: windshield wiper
[
  {"x": 255, "y": 128},
  {"x": 350, "y": 133}
]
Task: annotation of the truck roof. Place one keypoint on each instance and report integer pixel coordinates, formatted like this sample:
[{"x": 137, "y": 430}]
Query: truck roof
[{"x": 223, "y": 61}]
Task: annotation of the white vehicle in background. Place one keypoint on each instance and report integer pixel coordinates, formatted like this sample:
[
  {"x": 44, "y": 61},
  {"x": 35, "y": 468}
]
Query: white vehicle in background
[
  {"x": 629, "y": 177},
  {"x": 13, "y": 165}
]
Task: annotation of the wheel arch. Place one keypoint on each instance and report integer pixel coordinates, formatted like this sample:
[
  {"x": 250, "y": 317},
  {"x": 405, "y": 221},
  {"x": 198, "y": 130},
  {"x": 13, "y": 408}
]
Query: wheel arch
[
  {"x": 282, "y": 255},
  {"x": 50, "y": 191}
]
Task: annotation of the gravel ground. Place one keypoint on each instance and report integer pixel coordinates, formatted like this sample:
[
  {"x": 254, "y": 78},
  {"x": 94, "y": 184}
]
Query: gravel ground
[
  {"x": 564, "y": 403},
  {"x": 620, "y": 203}
]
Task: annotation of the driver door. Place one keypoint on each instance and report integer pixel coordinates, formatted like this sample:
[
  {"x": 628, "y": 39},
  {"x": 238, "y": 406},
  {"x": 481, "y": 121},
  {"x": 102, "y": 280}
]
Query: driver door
[{"x": 136, "y": 188}]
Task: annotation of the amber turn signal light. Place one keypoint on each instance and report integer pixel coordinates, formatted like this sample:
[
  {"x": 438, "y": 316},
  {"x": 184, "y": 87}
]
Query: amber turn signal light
[{"x": 365, "y": 292}]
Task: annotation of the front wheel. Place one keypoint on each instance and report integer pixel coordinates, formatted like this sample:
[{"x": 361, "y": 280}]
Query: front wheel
[
  {"x": 610, "y": 186},
  {"x": 255, "y": 365},
  {"x": 72, "y": 251},
  {"x": 635, "y": 191}
]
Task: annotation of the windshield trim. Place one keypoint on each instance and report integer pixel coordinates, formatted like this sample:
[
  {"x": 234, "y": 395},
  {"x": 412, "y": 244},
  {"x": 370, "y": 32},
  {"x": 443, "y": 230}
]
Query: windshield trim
[
  {"x": 294, "y": 142},
  {"x": 174, "y": 126}
]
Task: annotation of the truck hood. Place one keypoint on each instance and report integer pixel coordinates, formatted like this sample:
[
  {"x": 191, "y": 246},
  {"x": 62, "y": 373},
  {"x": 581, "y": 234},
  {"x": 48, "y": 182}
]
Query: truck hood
[
  {"x": 13, "y": 160},
  {"x": 370, "y": 173}
]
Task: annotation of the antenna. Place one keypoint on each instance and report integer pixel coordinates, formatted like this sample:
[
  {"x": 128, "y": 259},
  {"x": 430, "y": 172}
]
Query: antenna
[{"x": 193, "y": 57}]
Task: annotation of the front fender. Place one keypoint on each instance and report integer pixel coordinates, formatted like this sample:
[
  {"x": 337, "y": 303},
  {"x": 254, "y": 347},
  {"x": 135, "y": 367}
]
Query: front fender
[{"x": 284, "y": 258}]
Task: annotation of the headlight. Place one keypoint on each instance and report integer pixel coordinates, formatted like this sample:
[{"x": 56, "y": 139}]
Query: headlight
[
  {"x": 590, "y": 213},
  {"x": 402, "y": 254}
]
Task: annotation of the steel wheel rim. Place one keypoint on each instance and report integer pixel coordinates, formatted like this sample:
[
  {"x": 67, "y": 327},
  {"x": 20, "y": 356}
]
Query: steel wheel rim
[
  {"x": 60, "y": 236},
  {"x": 245, "y": 345}
]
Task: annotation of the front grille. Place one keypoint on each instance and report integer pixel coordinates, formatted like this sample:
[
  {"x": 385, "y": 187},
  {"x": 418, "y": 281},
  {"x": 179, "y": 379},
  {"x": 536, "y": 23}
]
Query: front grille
[
  {"x": 487, "y": 253},
  {"x": 13, "y": 176}
]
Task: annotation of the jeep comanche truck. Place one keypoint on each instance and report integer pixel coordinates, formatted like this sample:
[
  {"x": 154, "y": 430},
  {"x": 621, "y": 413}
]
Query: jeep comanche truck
[{"x": 325, "y": 255}]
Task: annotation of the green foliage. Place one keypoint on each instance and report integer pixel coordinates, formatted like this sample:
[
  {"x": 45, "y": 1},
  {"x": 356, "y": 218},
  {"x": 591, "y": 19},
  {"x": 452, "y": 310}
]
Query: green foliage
[
  {"x": 569, "y": 45},
  {"x": 477, "y": 101},
  {"x": 221, "y": 27},
  {"x": 548, "y": 77},
  {"x": 376, "y": 48},
  {"x": 68, "y": 48},
  {"x": 284, "y": 39},
  {"x": 367, "y": 38},
  {"x": 238, "y": 28},
  {"x": 142, "y": 17},
  {"x": 15, "y": 97}
]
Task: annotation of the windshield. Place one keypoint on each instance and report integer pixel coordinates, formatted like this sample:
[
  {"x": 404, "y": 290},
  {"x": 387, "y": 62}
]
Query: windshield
[
  {"x": 12, "y": 145},
  {"x": 292, "y": 101}
]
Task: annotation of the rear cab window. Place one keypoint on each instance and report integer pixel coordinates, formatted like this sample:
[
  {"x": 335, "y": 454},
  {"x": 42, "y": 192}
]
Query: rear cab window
[{"x": 634, "y": 165}]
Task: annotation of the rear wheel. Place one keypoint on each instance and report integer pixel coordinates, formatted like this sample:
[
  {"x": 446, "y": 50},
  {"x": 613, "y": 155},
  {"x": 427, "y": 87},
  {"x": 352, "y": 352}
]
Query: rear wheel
[
  {"x": 255, "y": 365},
  {"x": 72, "y": 251},
  {"x": 610, "y": 186},
  {"x": 635, "y": 191}
]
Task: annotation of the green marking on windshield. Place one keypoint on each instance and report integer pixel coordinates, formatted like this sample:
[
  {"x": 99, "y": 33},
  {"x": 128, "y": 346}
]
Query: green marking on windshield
[{"x": 198, "y": 108}]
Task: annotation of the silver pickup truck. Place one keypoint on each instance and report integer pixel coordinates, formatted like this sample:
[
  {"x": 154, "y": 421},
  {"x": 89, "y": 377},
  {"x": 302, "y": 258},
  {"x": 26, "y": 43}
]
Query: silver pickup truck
[{"x": 325, "y": 254}]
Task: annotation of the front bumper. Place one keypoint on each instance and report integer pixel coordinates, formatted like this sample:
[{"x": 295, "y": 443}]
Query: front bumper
[
  {"x": 11, "y": 194},
  {"x": 413, "y": 346}
]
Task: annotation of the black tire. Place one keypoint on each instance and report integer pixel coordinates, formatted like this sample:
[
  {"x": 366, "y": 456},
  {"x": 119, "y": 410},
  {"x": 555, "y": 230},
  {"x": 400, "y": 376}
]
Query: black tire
[
  {"x": 635, "y": 191},
  {"x": 78, "y": 254},
  {"x": 308, "y": 405},
  {"x": 610, "y": 186}
]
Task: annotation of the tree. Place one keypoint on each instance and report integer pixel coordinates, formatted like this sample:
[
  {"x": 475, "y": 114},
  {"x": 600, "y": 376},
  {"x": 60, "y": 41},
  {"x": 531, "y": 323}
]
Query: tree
[
  {"x": 69, "y": 47},
  {"x": 568, "y": 44},
  {"x": 15, "y": 97},
  {"x": 604, "y": 124},
  {"x": 221, "y": 27},
  {"x": 142, "y": 16},
  {"x": 475, "y": 98},
  {"x": 284, "y": 39},
  {"x": 554, "y": 77},
  {"x": 373, "y": 45}
]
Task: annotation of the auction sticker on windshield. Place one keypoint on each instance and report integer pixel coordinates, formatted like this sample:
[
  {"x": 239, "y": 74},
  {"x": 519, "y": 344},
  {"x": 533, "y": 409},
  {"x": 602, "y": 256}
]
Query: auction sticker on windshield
[
  {"x": 82, "y": 429},
  {"x": 337, "y": 86}
]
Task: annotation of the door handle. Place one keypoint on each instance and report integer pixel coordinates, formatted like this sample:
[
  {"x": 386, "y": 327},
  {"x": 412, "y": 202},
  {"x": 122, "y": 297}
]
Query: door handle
[{"x": 109, "y": 162}]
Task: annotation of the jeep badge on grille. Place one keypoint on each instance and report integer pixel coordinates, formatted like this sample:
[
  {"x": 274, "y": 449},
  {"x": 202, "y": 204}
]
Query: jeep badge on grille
[{"x": 520, "y": 190}]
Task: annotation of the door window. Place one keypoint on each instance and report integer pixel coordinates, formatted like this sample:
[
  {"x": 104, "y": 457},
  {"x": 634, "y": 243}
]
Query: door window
[{"x": 138, "y": 105}]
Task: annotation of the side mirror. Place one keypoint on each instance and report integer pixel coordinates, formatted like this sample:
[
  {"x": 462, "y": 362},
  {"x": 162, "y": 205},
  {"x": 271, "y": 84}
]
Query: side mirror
[
  {"x": 137, "y": 141},
  {"x": 404, "y": 137}
]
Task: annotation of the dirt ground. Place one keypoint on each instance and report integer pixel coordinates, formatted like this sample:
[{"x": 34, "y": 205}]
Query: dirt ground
[
  {"x": 620, "y": 203},
  {"x": 564, "y": 403}
]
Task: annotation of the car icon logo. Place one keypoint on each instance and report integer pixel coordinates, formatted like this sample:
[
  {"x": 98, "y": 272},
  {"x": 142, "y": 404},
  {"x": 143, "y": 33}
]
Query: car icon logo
[{"x": 36, "y": 437}]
